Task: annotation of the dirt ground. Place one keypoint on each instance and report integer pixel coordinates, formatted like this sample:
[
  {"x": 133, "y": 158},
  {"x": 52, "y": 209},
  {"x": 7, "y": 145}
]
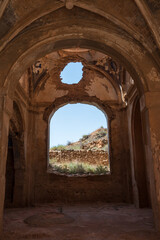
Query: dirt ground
[{"x": 80, "y": 222}]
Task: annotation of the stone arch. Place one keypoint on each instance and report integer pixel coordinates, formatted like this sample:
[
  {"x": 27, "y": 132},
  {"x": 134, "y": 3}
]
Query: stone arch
[
  {"x": 45, "y": 9},
  {"x": 120, "y": 49},
  {"x": 84, "y": 43},
  {"x": 49, "y": 112},
  {"x": 29, "y": 40},
  {"x": 140, "y": 64}
]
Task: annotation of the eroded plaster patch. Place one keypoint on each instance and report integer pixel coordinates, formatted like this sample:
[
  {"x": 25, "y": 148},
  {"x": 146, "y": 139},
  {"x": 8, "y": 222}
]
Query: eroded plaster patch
[
  {"x": 102, "y": 89},
  {"x": 50, "y": 93}
]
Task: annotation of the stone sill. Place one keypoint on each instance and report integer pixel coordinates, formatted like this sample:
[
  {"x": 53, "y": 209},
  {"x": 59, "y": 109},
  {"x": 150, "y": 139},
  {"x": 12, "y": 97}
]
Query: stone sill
[{"x": 77, "y": 174}]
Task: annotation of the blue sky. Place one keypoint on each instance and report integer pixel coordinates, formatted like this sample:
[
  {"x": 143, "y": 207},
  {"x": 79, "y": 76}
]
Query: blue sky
[
  {"x": 72, "y": 121},
  {"x": 72, "y": 73}
]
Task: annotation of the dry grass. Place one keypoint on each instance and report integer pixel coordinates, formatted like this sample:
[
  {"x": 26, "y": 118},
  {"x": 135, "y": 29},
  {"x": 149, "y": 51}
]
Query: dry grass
[{"x": 75, "y": 167}]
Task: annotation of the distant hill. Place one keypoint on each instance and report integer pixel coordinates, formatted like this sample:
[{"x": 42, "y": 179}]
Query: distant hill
[{"x": 96, "y": 140}]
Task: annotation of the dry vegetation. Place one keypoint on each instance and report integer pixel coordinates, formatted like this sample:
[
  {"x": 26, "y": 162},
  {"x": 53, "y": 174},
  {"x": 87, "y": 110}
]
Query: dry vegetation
[
  {"x": 95, "y": 141},
  {"x": 75, "y": 167}
]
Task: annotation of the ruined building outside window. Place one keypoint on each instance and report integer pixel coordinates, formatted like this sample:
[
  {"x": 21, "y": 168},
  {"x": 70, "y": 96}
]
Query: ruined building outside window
[{"x": 73, "y": 150}]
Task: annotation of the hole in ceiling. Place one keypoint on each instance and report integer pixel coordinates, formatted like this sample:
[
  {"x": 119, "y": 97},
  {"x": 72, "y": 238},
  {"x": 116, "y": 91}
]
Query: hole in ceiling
[{"x": 72, "y": 73}]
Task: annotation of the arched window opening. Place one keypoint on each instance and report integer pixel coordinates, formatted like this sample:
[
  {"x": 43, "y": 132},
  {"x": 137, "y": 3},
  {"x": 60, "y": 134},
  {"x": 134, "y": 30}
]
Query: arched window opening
[
  {"x": 79, "y": 141},
  {"x": 72, "y": 73}
]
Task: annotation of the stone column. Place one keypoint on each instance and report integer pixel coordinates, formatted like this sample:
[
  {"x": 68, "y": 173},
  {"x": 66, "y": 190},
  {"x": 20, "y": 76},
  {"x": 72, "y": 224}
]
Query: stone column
[
  {"x": 5, "y": 113},
  {"x": 150, "y": 108},
  {"x": 19, "y": 166},
  {"x": 31, "y": 151}
]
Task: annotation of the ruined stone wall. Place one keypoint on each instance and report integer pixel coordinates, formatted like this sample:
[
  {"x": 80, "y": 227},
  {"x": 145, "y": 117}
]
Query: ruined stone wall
[
  {"x": 51, "y": 94},
  {"x": 91, "y": 157},
  {"x": 48, "y": 96}
]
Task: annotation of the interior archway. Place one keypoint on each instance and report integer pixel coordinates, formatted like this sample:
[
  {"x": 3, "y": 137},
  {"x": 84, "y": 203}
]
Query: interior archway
[
  {"x": 116, "y": 40},
  {"x": 46, "y": 46}
]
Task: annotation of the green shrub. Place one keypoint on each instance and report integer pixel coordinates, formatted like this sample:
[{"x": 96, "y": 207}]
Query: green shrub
[
  {"x": 101, "y": 134},
  {"x": 59, "y": 147},
  {"x": 69, "y": 143},
  {"x": 73, "y": 147},
  {"x": 84, "y": 137}
]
